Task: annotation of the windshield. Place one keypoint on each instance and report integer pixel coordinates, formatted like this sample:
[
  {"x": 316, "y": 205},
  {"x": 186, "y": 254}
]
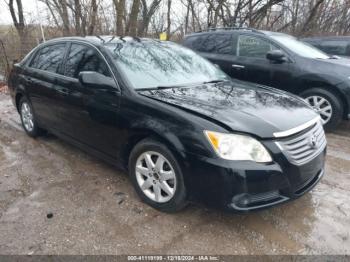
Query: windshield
[
  {"x": 299, "y": 47},
  {"x": 151, "y": 64}
]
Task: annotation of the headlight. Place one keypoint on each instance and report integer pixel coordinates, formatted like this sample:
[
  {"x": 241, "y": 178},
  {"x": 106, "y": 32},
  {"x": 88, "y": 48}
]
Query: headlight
[{"x": 238, "y": 147}]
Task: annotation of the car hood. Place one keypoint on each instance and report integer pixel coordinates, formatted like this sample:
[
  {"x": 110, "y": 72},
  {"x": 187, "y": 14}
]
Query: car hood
[
  {"x": 343, "y": 61},
  {"x": 339, "y": 68},
  {"x": 240, "y": 106}
]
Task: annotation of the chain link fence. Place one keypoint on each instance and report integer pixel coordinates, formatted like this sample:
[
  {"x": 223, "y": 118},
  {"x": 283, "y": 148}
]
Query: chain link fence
[{"x": 12, "y": 49}]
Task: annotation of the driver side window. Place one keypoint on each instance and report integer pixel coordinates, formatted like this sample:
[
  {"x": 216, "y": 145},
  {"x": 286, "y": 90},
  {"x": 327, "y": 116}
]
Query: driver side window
[
  {"x": 255, "y": 47},
  {"x": 83, "y": 58}
]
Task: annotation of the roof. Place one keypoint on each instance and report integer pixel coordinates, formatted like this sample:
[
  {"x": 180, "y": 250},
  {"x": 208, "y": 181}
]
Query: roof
[
  {"x": 101, "y": 40},
  {"x": 326, "y": 38},
  {"x": 235, "y": 29},
  {"x": 271, "y": 33}
]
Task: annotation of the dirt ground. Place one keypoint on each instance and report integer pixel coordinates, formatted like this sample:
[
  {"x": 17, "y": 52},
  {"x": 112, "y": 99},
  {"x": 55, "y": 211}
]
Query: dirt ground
[{"x": 95, "y": 210}]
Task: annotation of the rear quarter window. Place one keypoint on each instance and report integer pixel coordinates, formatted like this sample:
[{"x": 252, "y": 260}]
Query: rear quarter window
[
  {"x": 196, "y": 42},
  {"x": 211, "y": 43},
  {"x": 188, "y": 42},
  {"x": 335, "y": 47}
]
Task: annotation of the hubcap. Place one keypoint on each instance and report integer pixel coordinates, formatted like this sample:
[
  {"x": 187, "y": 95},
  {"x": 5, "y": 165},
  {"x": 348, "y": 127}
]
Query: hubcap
[
  {"x": 27, "y": 117},
  {"x": 322, "y": 106},
  {"x": 155, "y": 176}
]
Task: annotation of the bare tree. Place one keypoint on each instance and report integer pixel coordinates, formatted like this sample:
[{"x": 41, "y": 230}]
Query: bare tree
[
  {"x": 150, "y": 17},
  {"x": 78, "y": 17},
  {"x": 147, "y": 13},
  {"x": 309, "y": 23},
  {"x": 132, "y": 24},
  {"x": 120, "y": 10},
  {"x": 93, "y": 15},
  {"x": 61, "y": 7},
  {"x": 64, "y": 16},
  {"x": 168, "y": 20},
  {"x": 18, "y": 21}
]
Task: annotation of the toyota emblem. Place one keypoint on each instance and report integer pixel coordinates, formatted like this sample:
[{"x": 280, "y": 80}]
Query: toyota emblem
[{"x": 313, "y": 141}]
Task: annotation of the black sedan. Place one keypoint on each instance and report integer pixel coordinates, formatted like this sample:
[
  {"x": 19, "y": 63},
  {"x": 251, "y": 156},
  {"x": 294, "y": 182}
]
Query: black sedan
[{"x": 182, "y": 128}]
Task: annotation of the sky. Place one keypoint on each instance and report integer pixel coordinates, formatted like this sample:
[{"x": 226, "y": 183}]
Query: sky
[
  {"x": 31, "y": 14},
  {"x": 29, "y": 7}
]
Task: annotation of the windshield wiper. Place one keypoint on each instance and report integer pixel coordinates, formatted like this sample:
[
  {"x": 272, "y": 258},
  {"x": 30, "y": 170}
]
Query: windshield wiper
[
  {"x": 179, "y": 86},
  {"x": 194, "y": 84},
  {"x": 214, "y": 81},
  {"x": 159, "y": 87}
]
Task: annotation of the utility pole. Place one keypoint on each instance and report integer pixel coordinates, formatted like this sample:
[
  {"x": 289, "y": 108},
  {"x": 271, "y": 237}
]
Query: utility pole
[{"x": 40, "y": 24}]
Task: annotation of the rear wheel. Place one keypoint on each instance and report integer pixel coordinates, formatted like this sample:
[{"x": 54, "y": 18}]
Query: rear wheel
[
  {"x": 328, "y": 105},
  {"x": 157, "y": 176},
  {"x": 28, "y": 120}
]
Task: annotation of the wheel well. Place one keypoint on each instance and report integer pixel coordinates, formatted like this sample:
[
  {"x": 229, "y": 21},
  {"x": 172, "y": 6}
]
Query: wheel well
[
  {"x": 331, "y": 89},
  {"x": 135, "y": 139},
  {"x": 18, "y": 98}
]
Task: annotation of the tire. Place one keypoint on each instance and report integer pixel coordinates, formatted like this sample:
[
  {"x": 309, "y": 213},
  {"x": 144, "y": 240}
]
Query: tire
[
  {"x": 337, "y": 108},
  {"x": 28, "y": 119},
  {"x": 172, "y": 199}
]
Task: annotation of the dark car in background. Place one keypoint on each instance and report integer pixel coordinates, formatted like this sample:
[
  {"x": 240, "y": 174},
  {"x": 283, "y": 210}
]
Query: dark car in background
[
  {"x": 182, "y": 128},
  {"x": 332, "y": 45},
  {"x": 283, "y": 62}
]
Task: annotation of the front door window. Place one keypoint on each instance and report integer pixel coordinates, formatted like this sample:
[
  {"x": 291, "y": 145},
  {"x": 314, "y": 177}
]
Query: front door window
[{"x": 255, "y": 47}]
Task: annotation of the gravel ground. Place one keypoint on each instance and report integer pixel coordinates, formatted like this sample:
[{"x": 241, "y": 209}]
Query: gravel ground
[{"x": 55, "y": 199}]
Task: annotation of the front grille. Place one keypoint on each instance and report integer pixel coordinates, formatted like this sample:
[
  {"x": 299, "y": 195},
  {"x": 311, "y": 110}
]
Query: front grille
[
  {"x": 301, "y": 148},
  {"x": 256, "y": 198}
]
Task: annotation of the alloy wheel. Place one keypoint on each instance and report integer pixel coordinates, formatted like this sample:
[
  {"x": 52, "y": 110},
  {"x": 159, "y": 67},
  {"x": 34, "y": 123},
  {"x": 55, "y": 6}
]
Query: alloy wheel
[
  {"x": 155, "y": 176},
  {"x": 322, "y": 106},
  {"x": 27, "y": 117}
]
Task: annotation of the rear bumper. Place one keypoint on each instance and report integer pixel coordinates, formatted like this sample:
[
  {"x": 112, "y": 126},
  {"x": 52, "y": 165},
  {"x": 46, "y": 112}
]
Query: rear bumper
[{"x": 242, "y": 186}]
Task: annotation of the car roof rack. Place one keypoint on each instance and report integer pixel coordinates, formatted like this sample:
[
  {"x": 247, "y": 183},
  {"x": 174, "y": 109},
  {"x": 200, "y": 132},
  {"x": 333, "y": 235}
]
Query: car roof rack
[{"x": 228, "y": 28}]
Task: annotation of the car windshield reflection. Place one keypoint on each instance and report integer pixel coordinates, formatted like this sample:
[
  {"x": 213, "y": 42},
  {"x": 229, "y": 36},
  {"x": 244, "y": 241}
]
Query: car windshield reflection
[{"x": 150, "y": 64}]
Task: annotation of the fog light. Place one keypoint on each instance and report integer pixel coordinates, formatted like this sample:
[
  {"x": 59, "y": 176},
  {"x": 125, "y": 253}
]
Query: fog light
[
  {"x": 241, "y": 199},
  {"x": 244, "y": 200}
]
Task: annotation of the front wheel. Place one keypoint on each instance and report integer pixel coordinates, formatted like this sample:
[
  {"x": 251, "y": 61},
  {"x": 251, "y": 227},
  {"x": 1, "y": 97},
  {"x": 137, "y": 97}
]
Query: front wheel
[
  {"x": 327, "y": 104},
  {"x": 157, "y": 176}
]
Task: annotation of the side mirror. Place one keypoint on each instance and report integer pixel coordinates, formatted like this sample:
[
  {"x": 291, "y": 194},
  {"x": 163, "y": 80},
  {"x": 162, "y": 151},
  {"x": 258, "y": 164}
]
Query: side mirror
[
  {"x": 276, "y": 56},
  {"x": 96, "y": 80}
]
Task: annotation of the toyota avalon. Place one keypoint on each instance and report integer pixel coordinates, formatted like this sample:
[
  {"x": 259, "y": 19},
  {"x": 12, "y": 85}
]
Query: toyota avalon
[{"x": 181, "y": 127}]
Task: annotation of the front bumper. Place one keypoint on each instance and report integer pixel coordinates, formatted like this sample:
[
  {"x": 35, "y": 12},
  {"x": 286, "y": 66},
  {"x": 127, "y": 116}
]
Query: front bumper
[
  {"x": 344, "y": 88},
  {"x": 242, "y": 186}
]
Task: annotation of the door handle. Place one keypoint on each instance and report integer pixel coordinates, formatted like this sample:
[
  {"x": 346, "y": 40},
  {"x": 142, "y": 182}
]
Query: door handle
[
  {"x": 63, "y": 91},
  {"x": 238, "y": 66},
  {"x": 29, "y": 80}
]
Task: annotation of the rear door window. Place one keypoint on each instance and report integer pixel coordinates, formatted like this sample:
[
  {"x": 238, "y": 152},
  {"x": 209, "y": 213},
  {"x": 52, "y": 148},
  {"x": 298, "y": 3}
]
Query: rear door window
[
  {"x": 251, "y": 46},
  {"x": 84, "y": 58},
  {"x": 49, "y": 58}
]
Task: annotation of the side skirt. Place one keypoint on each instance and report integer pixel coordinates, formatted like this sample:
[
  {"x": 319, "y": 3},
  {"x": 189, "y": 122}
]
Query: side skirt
[{"x": 88, "y": 149}]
